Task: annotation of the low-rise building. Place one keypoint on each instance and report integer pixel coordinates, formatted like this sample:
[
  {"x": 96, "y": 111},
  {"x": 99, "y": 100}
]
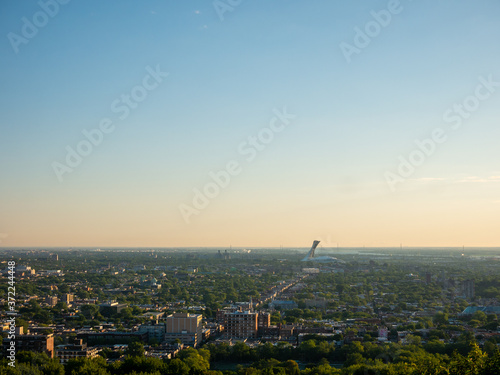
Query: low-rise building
[
  {"x": 78, "y": 349},
  {"x": 319, "y": 303},
  {"x": 31, "y": 343},
  {"x": 112, "y": 337},
  {"x": 283, "y": 305},
  {"x": 111, "y": 308},
  {"x": 154, "y": 331}
]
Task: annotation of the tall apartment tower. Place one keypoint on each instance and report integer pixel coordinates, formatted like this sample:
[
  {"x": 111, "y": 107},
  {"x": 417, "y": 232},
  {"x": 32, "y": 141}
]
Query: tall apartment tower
[
  {"x": 468, "y": 289},
  {"x": 241, "y": 324},
  {"x": 51, "y": 300},
  {"x": 68, "y": 298},
  {"x": 264, "y": 320}
]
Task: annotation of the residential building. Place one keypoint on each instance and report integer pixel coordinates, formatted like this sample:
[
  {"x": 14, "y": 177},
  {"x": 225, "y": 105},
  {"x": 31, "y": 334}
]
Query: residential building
[
  {"x": 241, "y": 324},
  {"x": 154, "y": 331},
  {"x": 32, "y": 343},
  {"x": 492, "y": 309},
  {"x": 220, "y": 315},
  {"x": 184, "y": 327},
  {"x": 283, "y": 305},
  {"x": 468, "y": 289},
  {"x": 111, "y": 308},
  {"x": 319, "y": 303},
  {"x": 263, "y": 320},
  {"x": 310, "y": 270},
  {"x": 51, "y": 301},
  {"x": 78, "y": 349},
  {"x": 112, "y": 337},
  {"x": 67, "y": 298}
]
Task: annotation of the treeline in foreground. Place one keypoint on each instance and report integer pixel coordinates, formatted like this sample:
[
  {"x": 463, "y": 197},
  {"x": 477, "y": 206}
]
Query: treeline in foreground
[{"x": 361, "y": 360}]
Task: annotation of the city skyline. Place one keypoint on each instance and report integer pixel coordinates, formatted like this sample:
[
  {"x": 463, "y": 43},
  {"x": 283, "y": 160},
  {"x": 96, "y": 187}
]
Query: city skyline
[{"x": 256, "y": 124}]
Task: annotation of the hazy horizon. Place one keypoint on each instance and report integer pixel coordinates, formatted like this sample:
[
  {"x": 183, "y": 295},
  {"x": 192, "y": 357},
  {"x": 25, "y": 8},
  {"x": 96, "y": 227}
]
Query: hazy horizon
[{"x": 302, "y": 248}]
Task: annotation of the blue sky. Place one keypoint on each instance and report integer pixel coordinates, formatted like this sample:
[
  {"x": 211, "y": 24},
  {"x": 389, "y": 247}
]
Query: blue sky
[{"x": 324, "y": 176}]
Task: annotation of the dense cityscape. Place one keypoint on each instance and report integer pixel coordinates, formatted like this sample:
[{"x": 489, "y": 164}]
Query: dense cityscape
[
  {"x": 166, "y": 165},
  {"x": 260, "y": 311}
]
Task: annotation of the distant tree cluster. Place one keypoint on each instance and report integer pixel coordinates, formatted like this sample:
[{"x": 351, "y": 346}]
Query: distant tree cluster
[{"x": 360, "y": 359}]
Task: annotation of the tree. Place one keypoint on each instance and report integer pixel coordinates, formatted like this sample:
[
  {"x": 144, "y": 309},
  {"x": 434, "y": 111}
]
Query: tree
[
  {"x": 480, "y": 315},
  {"x": 139, "y": 364},
  {"x": 177, "y": 367},
  {"x": 63, "y": 288},
  {"x": 86, "y": 366},
  {"x": 354, "y": 358},
  {"x": 473, "y": 364},
  {"x": 135, "y": 349},
  {"x": 195, "y": 361},
  {"x": 413, "y": 340},
  {"x": 240, "y": 352},
  {"x": 490, "y": 348},
  {"x": 292, "y": 368},
  {"x": 82, "y": 294},
  {"x": 22, "y": 323},
  {"x": 89, "y": 311},
  {"x": 60, "y": 306},
  {"x": 492, "y": 366},
  {"x": 26, "y": 369},
  {"x": 266, "y": 351},
  {"x": 127, "y": 314},
  {"x": 435, "y": 346},
  {"x": 53, "y": 368},
  {"x": 307, "y": 350},
  {"x": 440, "y": 318}
]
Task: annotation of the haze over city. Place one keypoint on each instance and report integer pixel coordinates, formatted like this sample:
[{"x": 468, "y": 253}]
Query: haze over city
[{"x": 177, "y": 124}]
